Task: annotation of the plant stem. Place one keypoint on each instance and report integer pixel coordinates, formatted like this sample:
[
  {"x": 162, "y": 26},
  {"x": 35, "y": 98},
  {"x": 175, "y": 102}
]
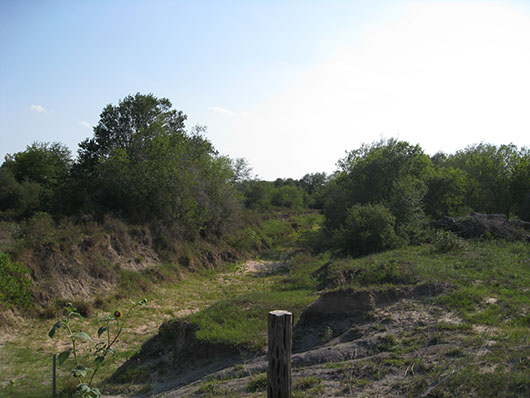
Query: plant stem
[
  {"x": 110, "y": 343},
  {"x": 67, "y": 323}
]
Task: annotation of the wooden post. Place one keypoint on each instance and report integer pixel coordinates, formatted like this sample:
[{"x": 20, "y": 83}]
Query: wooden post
[
  {"x": 280, "y": 347},
  {"x": 54, "y": 376}
]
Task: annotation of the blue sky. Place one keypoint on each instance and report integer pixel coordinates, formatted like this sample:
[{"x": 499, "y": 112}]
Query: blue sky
[{"x": 289, "y": 85}]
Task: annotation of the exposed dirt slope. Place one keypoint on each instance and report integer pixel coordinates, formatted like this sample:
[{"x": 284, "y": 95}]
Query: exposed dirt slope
[
  {"x": 347, "y": 343},
  {"x": 477, "y": 225}
]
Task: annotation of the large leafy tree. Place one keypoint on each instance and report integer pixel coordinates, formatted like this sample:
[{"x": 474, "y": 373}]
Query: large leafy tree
[
  {"x": 130, "y": 126},
  {"x": 491, "y": 173},
  {"x": 389, "y": 172},
  {"x": 520, "y": 184},
  {"x": 144, "y": 165},
  {"x": 32, "y": 179},
  {"x": 446, "y": 189},
  {"x": 42, "y": 162}
]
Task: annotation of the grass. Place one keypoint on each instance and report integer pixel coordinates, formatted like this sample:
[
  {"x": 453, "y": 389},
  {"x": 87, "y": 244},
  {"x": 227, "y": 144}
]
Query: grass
[
  {"x": 242, "y": 320},
  {"x": 489, "y": 293},
  {"x": 490, "y": 279}
]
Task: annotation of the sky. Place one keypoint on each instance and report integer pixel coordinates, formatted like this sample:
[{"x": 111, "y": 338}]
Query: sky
[{"x": 290, "y": 86}]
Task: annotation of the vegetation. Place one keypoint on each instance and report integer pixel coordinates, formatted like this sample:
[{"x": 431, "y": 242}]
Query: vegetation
[
  {"x": 111, "y": 331},
  {"x": 148, "y": 203},
  {"x": 14, "y": 283}
]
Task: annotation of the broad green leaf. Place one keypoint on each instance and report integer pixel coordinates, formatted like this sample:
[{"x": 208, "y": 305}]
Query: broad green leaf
[
  {"x": 77, "y": 314},
  {"x": 84, "y": 388},
  {"x": 82, "y": 336},
  {"x": 95, "y": 393},
  {"x": 54, "y": 328},
  {"x": 102, "y": 330},
  {"x": 79, "y": 372},
  {"x": 63, "y": 356}
]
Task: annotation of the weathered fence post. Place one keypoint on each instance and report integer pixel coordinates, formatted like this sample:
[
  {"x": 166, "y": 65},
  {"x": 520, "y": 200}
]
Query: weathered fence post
[
  {"x": 54, "y": 376},
  {"x": 280, "y": 346}
]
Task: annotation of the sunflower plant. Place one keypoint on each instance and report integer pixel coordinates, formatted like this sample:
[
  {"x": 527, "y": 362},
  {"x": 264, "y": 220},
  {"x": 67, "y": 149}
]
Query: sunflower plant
[{"x": 108, "y": 333}]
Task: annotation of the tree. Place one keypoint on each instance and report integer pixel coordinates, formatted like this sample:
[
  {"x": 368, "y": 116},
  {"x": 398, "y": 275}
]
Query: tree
[
  {"x": 242, "y": 170},
  {"x": 144, "y": 165},
  {"x": 367, "y": 229},
  {"x": 129, "y": 126},
  {"x": 288, "y": 196},
  {"x": 519, "y": 184},
  {"x": 446, "y": 190},
  {"x": 34, "y": 177},
  {"x": 488, "y": 171},
  {"x": 313, "y": 182},
  {"x": 389, "y": 172},
  {"x": 257, "y": 194},
  {"x": 42, "y": 162}
]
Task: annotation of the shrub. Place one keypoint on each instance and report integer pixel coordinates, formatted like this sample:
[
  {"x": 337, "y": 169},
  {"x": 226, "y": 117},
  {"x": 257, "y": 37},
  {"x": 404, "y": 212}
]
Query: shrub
[
  {"x": 14, "y": 283},
  {"x": 445, "y": 241},
  {"x": 288, "y": 196},
  {"x": 368, "y": 228}
]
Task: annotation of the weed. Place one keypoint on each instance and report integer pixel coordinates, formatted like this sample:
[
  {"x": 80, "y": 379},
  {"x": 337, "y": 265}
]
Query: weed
[
  {"x": 327, "y": 333},
  {"x": 257, "y": 383},
  {"x": 14, "y": 283},
  {"x": 387, "y": 343},
  {"x": 446, "y": 241},
  {"x": 100, "y": 349},
  {"x": 306, "y": 383}
]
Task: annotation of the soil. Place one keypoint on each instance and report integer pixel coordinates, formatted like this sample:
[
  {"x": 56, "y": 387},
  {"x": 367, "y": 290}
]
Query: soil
[
  {"x": 344, "y": 340},
  {"x": 477, "y": 225}
]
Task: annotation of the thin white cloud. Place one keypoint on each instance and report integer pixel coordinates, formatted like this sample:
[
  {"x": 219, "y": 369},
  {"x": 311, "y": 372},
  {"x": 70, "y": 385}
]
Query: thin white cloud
[
  {"x": 85, "y": 124},
  {"x": 223, "y": 111},
  {"x": 37, "y": 108}
]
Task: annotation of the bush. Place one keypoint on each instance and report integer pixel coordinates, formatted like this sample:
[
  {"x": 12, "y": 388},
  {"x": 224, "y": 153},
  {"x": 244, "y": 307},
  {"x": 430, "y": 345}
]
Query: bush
[
  {"x": 368, "y": 229},
  {"x": 445, "y": 241},
  {"x": 14, "y": 283},
  {"x": 288, "y": 196}
]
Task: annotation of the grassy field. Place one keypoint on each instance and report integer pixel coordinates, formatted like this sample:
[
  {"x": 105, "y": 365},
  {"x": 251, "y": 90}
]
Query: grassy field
[{"x": 485, "y": 345}]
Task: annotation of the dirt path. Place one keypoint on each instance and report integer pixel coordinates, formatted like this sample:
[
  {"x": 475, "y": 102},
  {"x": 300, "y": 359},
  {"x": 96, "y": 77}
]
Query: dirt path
[
  {"x": 262, "y": 267},
  {"x": 25, "y": 347},
  {"x": 354, "y": 360}
]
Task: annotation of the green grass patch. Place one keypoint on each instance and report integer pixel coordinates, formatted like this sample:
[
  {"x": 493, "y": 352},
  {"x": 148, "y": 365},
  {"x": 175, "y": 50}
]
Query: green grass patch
[
  {"x": 15, "y": 285},
  {"x": 242, "y": 320},
  {"x": 490, "y": 279}
]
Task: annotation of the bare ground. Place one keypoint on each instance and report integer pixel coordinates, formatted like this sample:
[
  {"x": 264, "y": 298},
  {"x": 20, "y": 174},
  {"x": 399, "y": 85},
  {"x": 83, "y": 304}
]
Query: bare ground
[{"x": 351, "y": 344}]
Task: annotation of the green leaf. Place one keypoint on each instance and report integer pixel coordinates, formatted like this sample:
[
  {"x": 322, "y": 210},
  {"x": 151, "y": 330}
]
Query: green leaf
[
  {"x": 82, "y": 336},
  {"x": 63, "y": 356},
  {"x": 94, "y": 393},
  {"x": 77, "y": 314},
  {"x": 83, "y": 388},
  {"x": 54, "y": 328},
  {"x": 99, "y": 360},
  {"x": 79, "y": 372},
  {"x": 102, "y": 330}
]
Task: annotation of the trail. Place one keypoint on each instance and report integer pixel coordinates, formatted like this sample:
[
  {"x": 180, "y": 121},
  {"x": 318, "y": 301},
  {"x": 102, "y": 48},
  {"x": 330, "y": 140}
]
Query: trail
[{"x": 196, "y": 291}]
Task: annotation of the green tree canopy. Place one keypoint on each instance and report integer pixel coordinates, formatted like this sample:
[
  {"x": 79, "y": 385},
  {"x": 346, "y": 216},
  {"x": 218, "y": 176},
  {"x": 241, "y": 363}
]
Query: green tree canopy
[
  {"x": 32, "y": 179},
  {"x": 492, "y": 174},
  {"x": 42, "y": 162},
  {"x": 144, "y": 165},
  {"x": 388, "y": 172}
]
